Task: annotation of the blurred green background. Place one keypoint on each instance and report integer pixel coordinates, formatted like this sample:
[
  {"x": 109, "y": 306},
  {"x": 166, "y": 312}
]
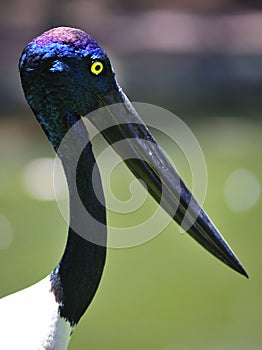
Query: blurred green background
[{"x": 202, "y": 61}]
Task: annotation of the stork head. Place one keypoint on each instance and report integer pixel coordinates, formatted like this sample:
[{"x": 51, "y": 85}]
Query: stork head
[{"x": 65, "y": 75}]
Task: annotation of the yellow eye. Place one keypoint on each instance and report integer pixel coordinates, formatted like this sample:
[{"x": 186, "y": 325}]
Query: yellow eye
[{"x": 97, "y": 67}]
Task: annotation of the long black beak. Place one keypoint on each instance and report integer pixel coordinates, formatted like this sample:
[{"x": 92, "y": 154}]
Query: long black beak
[{"x": 146, "y": 160}]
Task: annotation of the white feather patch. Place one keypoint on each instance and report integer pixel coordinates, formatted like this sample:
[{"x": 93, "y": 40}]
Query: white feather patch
[{"x": 29, "y": 320}]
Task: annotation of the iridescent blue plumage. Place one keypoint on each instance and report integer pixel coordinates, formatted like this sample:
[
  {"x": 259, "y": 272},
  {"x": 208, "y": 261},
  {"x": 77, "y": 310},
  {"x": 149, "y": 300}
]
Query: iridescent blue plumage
[
  {"x": 61, "y": 42},
  {"x": 55, "y": 73}
]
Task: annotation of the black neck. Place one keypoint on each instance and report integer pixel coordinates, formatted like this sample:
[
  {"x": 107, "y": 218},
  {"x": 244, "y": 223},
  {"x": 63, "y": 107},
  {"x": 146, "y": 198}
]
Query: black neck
[{"x": 77, "y": 276}]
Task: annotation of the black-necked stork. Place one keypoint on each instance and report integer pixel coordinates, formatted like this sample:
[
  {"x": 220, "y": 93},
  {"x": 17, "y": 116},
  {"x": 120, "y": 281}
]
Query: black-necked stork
[{"x": 66, "y": 75}]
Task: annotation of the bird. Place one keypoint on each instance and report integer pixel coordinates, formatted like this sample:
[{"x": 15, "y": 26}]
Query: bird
[{"x": 66, "y": 76}]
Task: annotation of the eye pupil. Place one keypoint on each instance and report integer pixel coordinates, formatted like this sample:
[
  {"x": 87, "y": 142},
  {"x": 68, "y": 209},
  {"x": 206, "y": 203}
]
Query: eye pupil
[{"x": 97, "y": 67}]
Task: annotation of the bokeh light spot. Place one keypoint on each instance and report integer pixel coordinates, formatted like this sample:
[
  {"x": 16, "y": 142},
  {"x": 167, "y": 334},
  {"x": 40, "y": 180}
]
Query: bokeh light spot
[
  {"x": 38, "y": 180},
  {"x": 242, "y": 190}
]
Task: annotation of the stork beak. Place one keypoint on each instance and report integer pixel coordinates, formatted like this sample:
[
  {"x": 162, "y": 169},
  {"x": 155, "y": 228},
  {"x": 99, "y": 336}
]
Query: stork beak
[{"x": 147, "y": 161}]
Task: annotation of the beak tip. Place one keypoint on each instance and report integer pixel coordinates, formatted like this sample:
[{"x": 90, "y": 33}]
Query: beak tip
[
  {"x": 243, "y": 272},
  {"x": 239, "y": 268}
]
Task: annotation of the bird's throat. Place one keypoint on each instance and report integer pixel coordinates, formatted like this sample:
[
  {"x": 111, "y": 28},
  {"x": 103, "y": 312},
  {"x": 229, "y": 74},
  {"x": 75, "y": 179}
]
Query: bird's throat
[{"x": 77, "y": 276}]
